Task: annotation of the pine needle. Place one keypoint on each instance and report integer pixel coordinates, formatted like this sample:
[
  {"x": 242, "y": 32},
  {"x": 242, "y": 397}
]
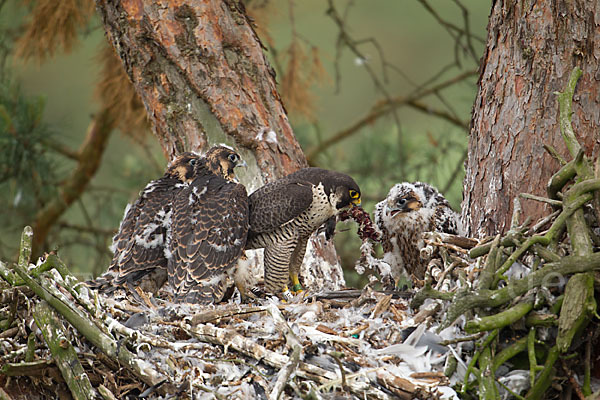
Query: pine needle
[
  {"x": 53, "y": 26},
  {"x": 117, "y": 95}
]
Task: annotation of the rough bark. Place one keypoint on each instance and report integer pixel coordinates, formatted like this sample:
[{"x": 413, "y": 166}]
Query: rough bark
[
  {"x": 201, "y": 73},
  {"x": 531, "y": 49}
]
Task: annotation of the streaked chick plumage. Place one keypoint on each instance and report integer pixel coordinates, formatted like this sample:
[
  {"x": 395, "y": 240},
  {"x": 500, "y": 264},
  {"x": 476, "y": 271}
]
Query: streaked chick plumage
[
  {"x": 409, "y": 210},
  {"x": 208, "y": 235},
  {"x": 141, "y": 249}
]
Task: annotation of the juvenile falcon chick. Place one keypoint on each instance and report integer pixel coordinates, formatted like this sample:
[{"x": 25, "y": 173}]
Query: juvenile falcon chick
[
  {"x": 139, "y": 245},
  {"x": 409, "y": 210},
  {"x": 207, "y": 236},
  {"x": 284, "y": 213}
]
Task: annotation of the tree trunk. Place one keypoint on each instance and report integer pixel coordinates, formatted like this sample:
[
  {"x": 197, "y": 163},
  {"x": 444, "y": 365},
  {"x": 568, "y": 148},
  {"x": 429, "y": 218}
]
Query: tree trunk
[
  {"x": 531, "y": 49},
  {"x": 201, "y": 73}
]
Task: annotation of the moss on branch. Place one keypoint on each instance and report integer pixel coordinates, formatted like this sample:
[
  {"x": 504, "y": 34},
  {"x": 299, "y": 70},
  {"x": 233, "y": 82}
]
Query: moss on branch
[
  {"x": 499, "y": 320},
  {"x": 468, "y": 300},
  {"x": 63, "y": 353}
]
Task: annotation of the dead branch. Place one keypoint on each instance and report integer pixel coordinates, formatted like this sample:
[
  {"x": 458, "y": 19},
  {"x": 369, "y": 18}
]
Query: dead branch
[{"x": 89, "y": 157}]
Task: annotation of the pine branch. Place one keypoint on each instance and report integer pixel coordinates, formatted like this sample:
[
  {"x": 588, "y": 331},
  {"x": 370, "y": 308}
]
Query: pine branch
[
  {"x": 385, "y": 106},
  {"x": 90, "y": 155}
]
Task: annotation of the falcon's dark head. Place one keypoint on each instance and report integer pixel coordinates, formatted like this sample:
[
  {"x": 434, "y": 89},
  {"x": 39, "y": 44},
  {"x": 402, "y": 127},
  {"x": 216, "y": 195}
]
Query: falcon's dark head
[
  {"x": 341, "y": 188},
  {"x": 183, "y": 166},
  {"x": 222, "y": 160},
  {"x": 346, "y": 191}
]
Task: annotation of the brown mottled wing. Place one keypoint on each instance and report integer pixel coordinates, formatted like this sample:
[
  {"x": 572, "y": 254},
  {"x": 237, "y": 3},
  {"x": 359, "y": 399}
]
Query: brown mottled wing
[
  {"x": 139, "y": 245},
  {"x": 446, "y": 219},
  {"x": 209, "y": 232},
  {"x": 277, "y": 203}
]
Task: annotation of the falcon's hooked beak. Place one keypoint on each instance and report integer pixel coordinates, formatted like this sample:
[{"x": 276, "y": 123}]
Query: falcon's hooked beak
[
  {"x": 403, "y": 205},
  {"x": 241, "y": 163}
]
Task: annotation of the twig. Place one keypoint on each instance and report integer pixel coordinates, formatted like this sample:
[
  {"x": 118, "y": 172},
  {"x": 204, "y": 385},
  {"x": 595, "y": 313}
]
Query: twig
[
  {"x": 345, "y": 39},
  {"x": 554, "y": 153},
  {"x": 487, "y": 384},
  {"x": 455, "y": 31},
  {"x": 573, "y": 381},
  {"x": 578, "y": 305},
  {"x": 83, "y": 323},
  {"x": 545, "y": 377},
  {"x": 469, "y": 338},
  {"x": 587, "y": 382},
  {"x": 499, "y": 320},
  {"x": 565, "y": 101},
  {"x": 471, "y": 367},
  {"x": 508, "y": 240},
  {"x": 417, "y": 105},
  {"x": 284, "y": 374},
  {"x": 467, "y": 300},
  {"x": 486, "y": 276},
  {"x": 560, "y": 179},
  {"x": 509, "y": 352},
  {"x": 533, "y": 368},
  {"x": 63, "y": 352},
  {"x": 552, "y": 202},
  {"x": 218, "y": 314},
  {"x": 356, "y": 293},
  {"x": 30, "y": 353},
  {"x": 540, "y": 224},
  {"x": 61, "y": 149},
  {"x": 38, "y": 368},
  {"x": 460, "y": 242},
  {"x": 9, "y": 276},
  {"x": 87, "y": 229},
  {"x": 455, "y": 172},
  {"x": 231, "y": 339}
]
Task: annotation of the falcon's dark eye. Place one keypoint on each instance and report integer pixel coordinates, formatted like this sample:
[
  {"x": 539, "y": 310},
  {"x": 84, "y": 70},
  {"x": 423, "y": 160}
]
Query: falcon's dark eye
[
  {"x": 233, "y": 158},
  {"x": 354, "y": 194},
  {"x": 193, "y": 162},
  {"x": 401, "y": 202}
]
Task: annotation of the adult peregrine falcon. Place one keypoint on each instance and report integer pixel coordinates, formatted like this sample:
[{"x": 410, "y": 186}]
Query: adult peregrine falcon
[
  {"x": 284, "y": 213},
  {"x": 139, "y": 246},
  {"x": 409, "y": 210}
]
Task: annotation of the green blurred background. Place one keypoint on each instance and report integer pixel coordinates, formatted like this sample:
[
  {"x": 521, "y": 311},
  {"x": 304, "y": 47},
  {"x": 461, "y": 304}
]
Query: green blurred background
[{"x": 418, "y": 52}]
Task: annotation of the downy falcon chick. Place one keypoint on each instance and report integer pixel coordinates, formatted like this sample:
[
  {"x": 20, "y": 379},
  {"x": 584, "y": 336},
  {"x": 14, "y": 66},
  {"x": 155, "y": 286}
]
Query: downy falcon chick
[
  {"x": 140, "y": 244},
  {"x": 409, "y": 210},
  {"x": 284, "y": 213}
]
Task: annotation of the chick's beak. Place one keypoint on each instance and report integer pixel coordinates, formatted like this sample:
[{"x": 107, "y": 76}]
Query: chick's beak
[
  {"x": 392, "y": 208},
  {"x": 241, "y": 163}
]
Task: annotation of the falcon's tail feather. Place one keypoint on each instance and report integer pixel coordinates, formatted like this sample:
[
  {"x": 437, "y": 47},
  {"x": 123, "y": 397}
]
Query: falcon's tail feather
[
  {"x": 104, "y": 283},
  {"x": 203, "y": 295},
  {"x": 149, "y": 280}
]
